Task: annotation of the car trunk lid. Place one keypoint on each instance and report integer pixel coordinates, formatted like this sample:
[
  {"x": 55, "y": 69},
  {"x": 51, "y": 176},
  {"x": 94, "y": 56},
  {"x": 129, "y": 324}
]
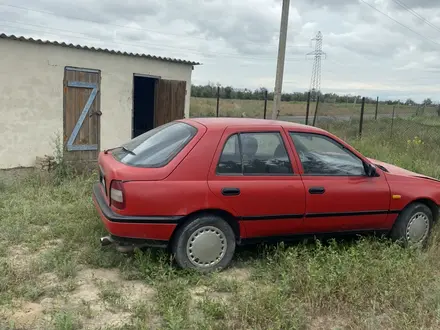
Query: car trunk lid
[{"x": 112, "y": 169}]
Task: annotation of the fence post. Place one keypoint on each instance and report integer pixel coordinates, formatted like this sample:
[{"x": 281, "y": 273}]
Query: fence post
[
  {"x": 218, "y": 99},
  {"x": 361, "y": 122},
  {"x": 392, "y": 120},
  {"x": 265, "y": 103},
  {"x": 377, "y": 106},
  {"x": 316, "y": 111},
  {"x": 308, "y": 108}
]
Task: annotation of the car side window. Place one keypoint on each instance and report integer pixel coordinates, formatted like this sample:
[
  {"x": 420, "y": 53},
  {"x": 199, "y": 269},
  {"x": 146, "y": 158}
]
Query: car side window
[
  {"x": 255, "y": 154},
  {"x": 230, "y": 159},
  {"x": 321, "y": 155}
]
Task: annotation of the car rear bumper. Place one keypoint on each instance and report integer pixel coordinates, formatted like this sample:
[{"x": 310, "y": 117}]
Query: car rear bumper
[{"x": 146, "y": 227}]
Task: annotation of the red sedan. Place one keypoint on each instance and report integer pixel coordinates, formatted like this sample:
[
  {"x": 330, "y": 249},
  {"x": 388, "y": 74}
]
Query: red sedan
[{"x": 202, "y": 186}]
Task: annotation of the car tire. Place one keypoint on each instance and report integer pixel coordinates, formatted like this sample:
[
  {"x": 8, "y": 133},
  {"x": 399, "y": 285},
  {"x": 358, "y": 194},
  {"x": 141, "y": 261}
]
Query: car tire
[
  {"x": 413, "y": 225},
  {"x": 205, "y": 243}
]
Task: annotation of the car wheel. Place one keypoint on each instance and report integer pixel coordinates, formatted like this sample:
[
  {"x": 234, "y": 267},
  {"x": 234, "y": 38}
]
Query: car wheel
[
  {"x": 413, "y": 225},
  {"x": 206, "y": 243}
]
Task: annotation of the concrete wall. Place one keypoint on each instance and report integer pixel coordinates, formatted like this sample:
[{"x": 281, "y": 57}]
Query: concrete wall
[{"x": 31, "y": 95}]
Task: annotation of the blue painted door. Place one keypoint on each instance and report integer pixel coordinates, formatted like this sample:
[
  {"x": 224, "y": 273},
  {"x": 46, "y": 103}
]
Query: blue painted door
[{"x": 82, "y": 114}]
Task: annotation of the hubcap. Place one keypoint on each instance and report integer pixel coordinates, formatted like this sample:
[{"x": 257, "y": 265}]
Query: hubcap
[
  {"x": 206, "y": 246},
  {"x": 418, "y": 227}
]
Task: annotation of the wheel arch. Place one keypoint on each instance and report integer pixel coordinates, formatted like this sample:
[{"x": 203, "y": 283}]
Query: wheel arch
[
  {"x": 228, "y": 217},
  {"x": 428, "y": 202}
]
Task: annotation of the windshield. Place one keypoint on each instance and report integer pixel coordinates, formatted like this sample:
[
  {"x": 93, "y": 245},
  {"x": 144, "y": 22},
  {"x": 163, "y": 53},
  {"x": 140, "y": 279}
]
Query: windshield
[{"x": 157, "y": 147}]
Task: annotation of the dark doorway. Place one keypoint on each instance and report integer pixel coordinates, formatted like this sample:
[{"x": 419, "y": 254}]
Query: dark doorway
[{"x": 143, "y": 104}]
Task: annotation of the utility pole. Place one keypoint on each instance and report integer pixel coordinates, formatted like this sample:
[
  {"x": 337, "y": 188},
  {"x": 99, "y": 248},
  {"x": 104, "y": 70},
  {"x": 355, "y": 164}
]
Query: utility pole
[{"x": 281, "y": 58}]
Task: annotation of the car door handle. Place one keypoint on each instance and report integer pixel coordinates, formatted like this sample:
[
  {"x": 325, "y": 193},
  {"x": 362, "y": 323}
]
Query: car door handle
[
  {"x": 230, "y": 191},
  {"x": 317, "y": 190}
]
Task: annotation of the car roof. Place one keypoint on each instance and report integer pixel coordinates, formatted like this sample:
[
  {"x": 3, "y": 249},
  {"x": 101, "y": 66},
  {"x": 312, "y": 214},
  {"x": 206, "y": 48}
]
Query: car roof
[{"x": 223, "y": 122}]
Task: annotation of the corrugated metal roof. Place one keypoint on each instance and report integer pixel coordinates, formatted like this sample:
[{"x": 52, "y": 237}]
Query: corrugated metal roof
[{"x": 103, "y": 50}]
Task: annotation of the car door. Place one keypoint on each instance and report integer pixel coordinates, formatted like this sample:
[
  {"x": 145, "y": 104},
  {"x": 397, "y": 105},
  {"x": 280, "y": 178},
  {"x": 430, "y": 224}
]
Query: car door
[
  {"x": 254, "y": 173},
  {"x": 339, "y": 194}
]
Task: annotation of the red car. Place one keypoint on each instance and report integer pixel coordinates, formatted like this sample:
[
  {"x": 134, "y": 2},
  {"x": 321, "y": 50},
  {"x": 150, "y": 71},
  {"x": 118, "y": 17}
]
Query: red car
[{"x": 202, "y": 186}]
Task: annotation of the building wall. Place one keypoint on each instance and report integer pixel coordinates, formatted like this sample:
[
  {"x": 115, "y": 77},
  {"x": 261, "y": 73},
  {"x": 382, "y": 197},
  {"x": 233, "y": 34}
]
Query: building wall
[{"x": 31, "y": 95}]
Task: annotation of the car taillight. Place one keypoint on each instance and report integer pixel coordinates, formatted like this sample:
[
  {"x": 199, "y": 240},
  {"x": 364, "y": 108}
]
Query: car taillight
[{"x": 117, "y": 194}]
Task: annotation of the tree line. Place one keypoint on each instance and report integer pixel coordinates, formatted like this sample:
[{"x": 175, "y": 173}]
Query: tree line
[{"x": 229, "y": 92}]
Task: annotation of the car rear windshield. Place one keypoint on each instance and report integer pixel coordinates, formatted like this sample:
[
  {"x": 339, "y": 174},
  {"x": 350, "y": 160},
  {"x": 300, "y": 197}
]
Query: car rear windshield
[{"x": 157, "y": 147}]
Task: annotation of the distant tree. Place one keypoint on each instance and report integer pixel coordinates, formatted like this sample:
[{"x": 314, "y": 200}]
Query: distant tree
[
  {"x": 229, "y": 92},
  {"x": 247, "y": 94},
  {"x": 258, "y": 94},
  {"x": 427, "y": 101},
  {"x": 286, "y": 97},
  {"x": 410, "y": 102}
]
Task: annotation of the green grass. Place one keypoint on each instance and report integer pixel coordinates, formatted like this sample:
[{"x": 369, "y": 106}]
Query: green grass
[
  {"x": 50, "y": 239},
  {"x": 65, "y": 320}
]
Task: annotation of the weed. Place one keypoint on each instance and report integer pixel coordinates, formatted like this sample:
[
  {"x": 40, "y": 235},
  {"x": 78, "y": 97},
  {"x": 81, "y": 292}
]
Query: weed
[
  {"x": 224, "y": 285},
  {"x": 213, "y": 309},
  {"x": 85, "y": 309},
  {"x": 60, "y": 260},
  {"x": 110, "y": 293},
  {"x": 172, "y": 303},
  {"x": 66, "y": 320},
  {"x": 62, "y": 170}
]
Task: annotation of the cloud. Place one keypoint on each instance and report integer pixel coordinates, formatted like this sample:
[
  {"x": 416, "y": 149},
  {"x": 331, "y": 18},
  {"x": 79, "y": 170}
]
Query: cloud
[
  {"x": 426, "y": 4},
  {"x": 237, "y": 41}
]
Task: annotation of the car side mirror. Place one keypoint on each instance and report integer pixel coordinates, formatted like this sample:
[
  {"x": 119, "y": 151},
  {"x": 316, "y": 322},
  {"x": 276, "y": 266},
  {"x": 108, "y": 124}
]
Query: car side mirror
[{"x": 370, "y": 170}]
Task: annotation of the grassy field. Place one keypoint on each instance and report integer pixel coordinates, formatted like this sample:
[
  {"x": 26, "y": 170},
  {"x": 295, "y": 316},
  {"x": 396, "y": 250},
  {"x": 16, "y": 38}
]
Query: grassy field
[
  {"x": 55, "y": 275},
  {"x": 254, "y": 108}
]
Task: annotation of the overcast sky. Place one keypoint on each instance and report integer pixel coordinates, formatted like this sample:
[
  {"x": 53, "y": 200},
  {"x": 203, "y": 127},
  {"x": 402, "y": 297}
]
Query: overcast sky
[{"x": 237, "y": 40}]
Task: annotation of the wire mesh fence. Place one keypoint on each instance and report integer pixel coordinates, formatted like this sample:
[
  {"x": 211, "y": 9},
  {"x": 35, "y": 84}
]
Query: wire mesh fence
[
  {"x": 389, "y": 120},
  {"x": 395, "y": 123},
  {"x": 400, "y": 127}
]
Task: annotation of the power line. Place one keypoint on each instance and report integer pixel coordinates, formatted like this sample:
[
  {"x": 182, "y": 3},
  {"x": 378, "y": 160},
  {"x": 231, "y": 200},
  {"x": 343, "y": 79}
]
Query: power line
[
  {"x": 401, "y": 24},
  {"x": 161, "y": 47},
  {"x": 413, "y": 12},
  {"x": 122, "y": 26}
]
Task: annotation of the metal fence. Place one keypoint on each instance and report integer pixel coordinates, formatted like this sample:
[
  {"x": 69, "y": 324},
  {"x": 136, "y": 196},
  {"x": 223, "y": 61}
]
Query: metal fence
[
  {"x": 349, "y": 120},
  {"x": 370, "y": 120},
  {"x": 318, "y": 112}
]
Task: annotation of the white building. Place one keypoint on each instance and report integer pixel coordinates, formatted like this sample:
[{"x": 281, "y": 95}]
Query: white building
[{"x": 93, "y": 98}]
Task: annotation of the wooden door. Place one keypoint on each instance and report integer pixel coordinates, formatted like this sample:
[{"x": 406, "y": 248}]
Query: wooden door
[
  {"x": 170, "y": 101},
  {"x": 82, "y": 113}
]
